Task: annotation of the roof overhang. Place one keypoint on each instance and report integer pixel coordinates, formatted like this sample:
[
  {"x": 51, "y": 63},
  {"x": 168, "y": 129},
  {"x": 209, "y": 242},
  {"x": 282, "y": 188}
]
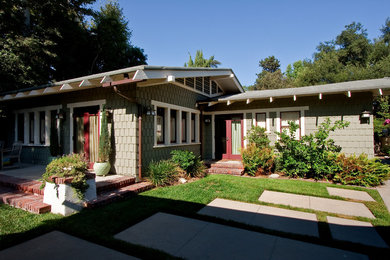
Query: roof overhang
[
  {"x": 152, "y": 74},
  {"x": 377, "y": 86}
]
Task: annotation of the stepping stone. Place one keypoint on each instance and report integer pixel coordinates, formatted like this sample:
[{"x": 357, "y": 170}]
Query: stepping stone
[
  {"x": 355, "y": 231},
  {"x": 60, "y": 246},
  {"x": 316, "y": 203},
  {"x": 350, "y": 194},
  {"x": 196, "y": 239},
  {"x": 272, "y": 218}
]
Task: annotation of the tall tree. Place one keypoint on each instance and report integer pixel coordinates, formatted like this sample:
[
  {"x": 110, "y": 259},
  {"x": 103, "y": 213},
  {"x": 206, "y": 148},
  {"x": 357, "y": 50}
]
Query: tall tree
[
  {"x": 113, "y": 40},
  {"x": 270, "y": 64},
  {"x": 200, "y": 61}
]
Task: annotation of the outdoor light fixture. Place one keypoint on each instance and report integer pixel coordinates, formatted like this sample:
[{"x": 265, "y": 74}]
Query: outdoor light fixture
[
  {"x": 365, "y": 114},
  {"x": 207, "y": 120},
  {"x": 60, "y": 115},
  {"x": 150, "y": 111}
]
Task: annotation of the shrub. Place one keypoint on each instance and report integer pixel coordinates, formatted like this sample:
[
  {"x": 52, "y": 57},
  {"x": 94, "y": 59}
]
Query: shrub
[
  {"x": 189, "y": 162},
  {"x": 359, "y": 170},
  {"x": 312, "y": 155},
  {"x": 256, "y": 135},
  {"x": 163, "y": 173},
  {"x": 104, "y": 140},
  {"x": 258, "y": 160},
  {"x": 73, "y": 165}
]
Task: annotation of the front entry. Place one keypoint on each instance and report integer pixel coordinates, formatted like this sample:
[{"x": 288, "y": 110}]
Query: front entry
[
  {"x": 86, "y": 130},
  {"x": 234, "y": 139}
]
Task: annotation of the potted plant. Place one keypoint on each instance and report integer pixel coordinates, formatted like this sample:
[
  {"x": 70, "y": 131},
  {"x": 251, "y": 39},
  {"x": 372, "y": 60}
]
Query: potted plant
[
  {"x": 68, "y": 184},
  {"x": 102, "y": 166}
]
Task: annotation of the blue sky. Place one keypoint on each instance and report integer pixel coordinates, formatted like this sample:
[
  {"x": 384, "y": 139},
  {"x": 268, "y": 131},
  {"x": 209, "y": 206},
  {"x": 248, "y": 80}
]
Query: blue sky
[{"x": 240, "y": 33}]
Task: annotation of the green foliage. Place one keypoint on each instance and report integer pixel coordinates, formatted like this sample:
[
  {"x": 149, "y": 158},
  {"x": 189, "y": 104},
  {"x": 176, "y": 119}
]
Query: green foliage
[
  {"x": 163, "y": 173},
  {"x": 54, "y": 144},
  {"x": 312, "y": 155},
  {"x": 200, "y": 61},
  {"x": 258, "y": 160},
  {"x": 189, "y": 162},
  {"x": 382, "y": 113},
  {"x": 104, "y": 139},
  {"x": 73, "y": 165},
  {"x": 359, "y": 170},
  {"x": 258, "y": 137}
]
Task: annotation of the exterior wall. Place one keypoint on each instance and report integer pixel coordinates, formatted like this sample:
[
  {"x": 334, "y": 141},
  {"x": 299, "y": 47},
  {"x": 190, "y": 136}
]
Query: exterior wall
[
  {"x": 170, "y": 94},
  {"x": 357, "y": 138}
]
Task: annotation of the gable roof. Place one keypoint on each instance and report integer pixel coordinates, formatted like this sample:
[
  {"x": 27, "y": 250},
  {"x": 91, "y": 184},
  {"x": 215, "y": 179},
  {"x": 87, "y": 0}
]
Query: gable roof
[
  {"x": 377, "y": 86},
  {"x": 225, "y": 78}
]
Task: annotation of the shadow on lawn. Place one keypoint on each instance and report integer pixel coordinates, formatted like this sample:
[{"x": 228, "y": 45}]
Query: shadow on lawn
[{"x": 101, "y": 224}]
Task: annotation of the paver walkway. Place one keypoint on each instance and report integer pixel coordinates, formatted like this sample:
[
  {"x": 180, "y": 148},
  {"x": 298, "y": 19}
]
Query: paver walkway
[
  {"x": 195, "y": 239},
  {"x": 60, "y": 246},
  {"x": 350, "y": 194},
  {"x": 384, "y": 191},
  {"x": 316, "y": 203},
  {"x": 285, "y": 220},
  {"x": 355, "y": 231}
]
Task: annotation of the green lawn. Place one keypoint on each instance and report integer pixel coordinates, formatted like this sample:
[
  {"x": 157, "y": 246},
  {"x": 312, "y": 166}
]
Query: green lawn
[{"x": 101, "y": 224}]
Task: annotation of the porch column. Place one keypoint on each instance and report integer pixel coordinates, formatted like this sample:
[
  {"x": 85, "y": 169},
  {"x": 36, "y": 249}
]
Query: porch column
[{"x": 213, "y": 136}]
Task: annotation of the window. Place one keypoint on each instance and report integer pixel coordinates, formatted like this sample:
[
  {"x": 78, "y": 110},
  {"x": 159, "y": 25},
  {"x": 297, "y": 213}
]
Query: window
[
  {"x": 20, "y": 127},
  {"x": 193, "y": 127},
  {"x": 42, "y": 127},
  {"x": 31, "y": 127},
  {"x": 288, "y": 117},
  {"x": 184, "y": 127},
  {"x": 173, "y": 125},
  {"x": 160, "y": 125},
  {"x": 261, "y": 120}
]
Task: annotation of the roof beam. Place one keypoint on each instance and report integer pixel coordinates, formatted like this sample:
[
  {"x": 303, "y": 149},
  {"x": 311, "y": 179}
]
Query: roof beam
[
  {"x": 229, "y": 102},
  {"x": 380, "y": 92},
  {"x": 212, "y": 103},
  {"x": 106, "y": 79},
  {"x": 36, "y": 92},
  {"x": 320, "y": 96},
  {"x": 49, "y": 90},
  {"x": 349, "y": 94},
  {"x": 85, "y": 83},
  {"x": 295, "y": 97},
  {"x": 8, "y": 97},
  {"x": 171, "y": 78},
  {"x": 20, "y": 94},
  {"x": 66, "y": 86},
  {"x": 271, "y": 99},
  {"x": 248, "y": 101},
  {"x": 119, "y": 82}
]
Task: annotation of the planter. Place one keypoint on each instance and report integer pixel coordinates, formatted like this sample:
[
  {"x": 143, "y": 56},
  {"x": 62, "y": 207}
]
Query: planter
[
  {"x": 62, "y": 197},
  {"x": 101, "y": 169}
]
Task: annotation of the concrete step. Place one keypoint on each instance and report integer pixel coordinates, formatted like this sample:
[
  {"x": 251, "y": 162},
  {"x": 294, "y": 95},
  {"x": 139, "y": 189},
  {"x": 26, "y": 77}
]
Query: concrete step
[
  {"x": 226, "y": 164},
  {"x": 113, "y": 184},
  {"x": 117, "y": 194},
  {"x": 220, "y": 170},
  {"x": 29, "y": 202}
]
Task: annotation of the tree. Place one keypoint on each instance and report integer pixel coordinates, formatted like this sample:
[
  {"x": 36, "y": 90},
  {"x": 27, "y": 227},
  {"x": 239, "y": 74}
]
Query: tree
[
  {"x": 386, "y": 31},
  {"x": 113, "y": 39},
  {"x": 200, "y": 61},
  {"x": 271, "y": 76}
]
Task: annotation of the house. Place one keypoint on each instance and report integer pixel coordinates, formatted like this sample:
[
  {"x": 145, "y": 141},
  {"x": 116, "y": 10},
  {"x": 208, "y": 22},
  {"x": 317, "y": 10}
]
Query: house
[{"x": 154, "y": 110}]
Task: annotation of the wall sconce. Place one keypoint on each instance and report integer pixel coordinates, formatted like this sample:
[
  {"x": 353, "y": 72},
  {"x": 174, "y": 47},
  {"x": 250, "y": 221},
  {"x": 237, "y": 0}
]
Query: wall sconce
[
  {"x": 207, "y": 120},
  {"x": 60, "y": 115},
  {"x": 150, "y": 111},
  {"x": 365, "y": 114}
]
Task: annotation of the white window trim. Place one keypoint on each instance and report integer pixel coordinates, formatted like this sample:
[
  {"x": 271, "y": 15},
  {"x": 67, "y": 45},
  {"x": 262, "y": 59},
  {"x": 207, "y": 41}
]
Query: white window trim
[
  {"x": 71, "y": 106},
  {"x": 35, "y": 110},
  {"x": 167, "y": 125}
]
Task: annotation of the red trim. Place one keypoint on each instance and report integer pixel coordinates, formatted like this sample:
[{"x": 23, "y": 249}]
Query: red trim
[
  {"x": 120, "y": 82},
  {"x": 228, "y": 154}
]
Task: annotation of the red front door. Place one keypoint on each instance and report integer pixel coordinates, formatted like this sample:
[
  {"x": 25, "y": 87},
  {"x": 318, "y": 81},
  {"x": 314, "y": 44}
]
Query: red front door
[{"x": 234, "y": 139}]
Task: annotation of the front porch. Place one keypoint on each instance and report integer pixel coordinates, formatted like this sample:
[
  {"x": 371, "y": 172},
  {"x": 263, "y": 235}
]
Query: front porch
[{"x": 20, "y": 188}]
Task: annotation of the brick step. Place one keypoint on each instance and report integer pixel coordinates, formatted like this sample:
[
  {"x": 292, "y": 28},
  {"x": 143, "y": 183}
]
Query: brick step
[
  {"x": 231, "y": 171},
  {"x": 117, "y": 194},
  {"x": 227, "y": 165},
  {"x": 23, "y": 185},
  {"x": 113, "y": 184},
  {"x": 28, "y": 202}
]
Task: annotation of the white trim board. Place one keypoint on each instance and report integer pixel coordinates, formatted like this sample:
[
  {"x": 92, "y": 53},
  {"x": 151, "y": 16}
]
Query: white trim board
[
  {"x": 260, "y": 110},
  {"x": 175, "y": 107}
]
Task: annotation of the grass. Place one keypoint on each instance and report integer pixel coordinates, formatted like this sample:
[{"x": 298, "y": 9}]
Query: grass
[{"x": 101, "y": 224}]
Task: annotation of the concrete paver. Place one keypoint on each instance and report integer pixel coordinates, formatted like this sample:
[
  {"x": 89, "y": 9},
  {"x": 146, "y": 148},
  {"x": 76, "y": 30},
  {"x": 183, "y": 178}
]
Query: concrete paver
[
  {"x": 384, "y": 191},
  {"x": 316, "y": 203},
  {"x": 214, "y": 241},
  {"x": 60, "y": 246},
  {"x": 350, "y": 194},
  {"x": 355, "y": 231},
  {"x": 272, "y": 218}
]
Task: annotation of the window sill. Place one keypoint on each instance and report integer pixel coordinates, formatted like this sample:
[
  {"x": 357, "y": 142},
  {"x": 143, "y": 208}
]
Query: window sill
[{"x": 174, "y": 145}]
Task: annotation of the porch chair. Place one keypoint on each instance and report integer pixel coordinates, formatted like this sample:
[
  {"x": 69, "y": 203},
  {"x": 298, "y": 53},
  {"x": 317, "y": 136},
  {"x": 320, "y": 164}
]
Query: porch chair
[{"x": 13, "y": 153}]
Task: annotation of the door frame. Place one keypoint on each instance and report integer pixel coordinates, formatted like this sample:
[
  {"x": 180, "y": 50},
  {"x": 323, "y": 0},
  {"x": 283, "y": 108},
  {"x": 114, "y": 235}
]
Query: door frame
[{"x": 228, "y": 154}]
